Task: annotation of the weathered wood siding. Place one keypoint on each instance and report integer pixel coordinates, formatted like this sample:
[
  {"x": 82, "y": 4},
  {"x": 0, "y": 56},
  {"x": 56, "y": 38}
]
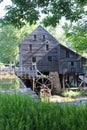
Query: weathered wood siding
[
  {"x": 44, "y": 48},
  {"x": 41, "y": 47},
  {"x": 70, "y": 62}
]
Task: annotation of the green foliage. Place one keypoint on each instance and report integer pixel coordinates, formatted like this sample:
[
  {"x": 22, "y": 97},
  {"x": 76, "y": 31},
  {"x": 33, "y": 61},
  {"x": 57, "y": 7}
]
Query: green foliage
[
  {"x": 77, "y": 35},
  {"x": 8, "y": 44},
  {"x": 10, "y": 38},
  {"x": 19, "y": 112},
  {"x": 73, "y": 93},
  {"x": 22, "y": 11},
  {"x": 1, "y": 1},
  {"x": 81, "y": 2}
]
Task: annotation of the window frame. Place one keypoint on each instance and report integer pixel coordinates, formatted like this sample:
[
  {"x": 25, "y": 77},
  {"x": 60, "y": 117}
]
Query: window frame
[
  {"x": 72, "y": 64},
  {"x": 50, "y": 59},
  {"x": 30, "y": 47},
  {"x": 67, "y": 54},
  {"x": 33, "y": 59},
  {"x": 47, "y": 47},
  {"x": 44, "y": 37},
  {"x": 35, "y": 37}
]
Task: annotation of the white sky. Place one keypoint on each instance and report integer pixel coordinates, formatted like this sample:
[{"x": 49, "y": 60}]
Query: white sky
[{"x": 2, "y": 6}]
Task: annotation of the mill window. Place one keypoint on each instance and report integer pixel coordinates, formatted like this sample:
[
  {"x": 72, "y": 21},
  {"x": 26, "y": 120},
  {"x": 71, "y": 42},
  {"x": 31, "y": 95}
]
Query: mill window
[
  {"x": 34, "y": 37},
  {"x": 33, "y": 59},
  {"x": 30, "y": 47},
  {"x": 47, "y": 47},
  {"x": 80, "y": 64},
  {"x": 67, "y": 54},
  {"x": 50, "y": 58},
  {"x": 43, "y": 37},
  {"x": 72, "y": 64}
]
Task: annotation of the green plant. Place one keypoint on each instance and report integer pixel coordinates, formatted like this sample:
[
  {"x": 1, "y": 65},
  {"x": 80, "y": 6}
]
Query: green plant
[
  {"x": 71, "y": 93},
  {"x": 19, "y": 112}
]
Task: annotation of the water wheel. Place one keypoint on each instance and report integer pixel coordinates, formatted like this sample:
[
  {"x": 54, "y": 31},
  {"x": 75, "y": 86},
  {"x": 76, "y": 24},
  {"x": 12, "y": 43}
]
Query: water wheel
[{"x": 43, "y": 86}]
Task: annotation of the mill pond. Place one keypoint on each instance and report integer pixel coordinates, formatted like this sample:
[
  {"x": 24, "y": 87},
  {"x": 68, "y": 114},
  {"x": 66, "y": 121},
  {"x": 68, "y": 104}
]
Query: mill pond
[{"x": 11, "y": 84}]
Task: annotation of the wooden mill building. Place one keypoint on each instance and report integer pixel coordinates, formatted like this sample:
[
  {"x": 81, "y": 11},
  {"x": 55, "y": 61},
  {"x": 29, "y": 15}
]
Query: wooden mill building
[{"x": 52, "y": 59}]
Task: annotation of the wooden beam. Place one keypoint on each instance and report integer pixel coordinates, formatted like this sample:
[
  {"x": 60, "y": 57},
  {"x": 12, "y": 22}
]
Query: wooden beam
[
  {"x": 63, "y": 81},
  {"x": 84, "y": 80}
]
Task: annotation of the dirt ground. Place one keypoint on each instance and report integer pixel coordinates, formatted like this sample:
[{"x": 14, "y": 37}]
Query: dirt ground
[{"x": 61, "y": 99}]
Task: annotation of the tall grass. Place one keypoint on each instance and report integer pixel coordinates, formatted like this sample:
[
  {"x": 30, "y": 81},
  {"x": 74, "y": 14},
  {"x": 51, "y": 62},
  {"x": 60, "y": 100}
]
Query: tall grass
[{"x": 19, "y": 112}]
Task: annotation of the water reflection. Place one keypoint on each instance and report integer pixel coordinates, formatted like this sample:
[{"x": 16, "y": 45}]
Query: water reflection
[{"x": 13, "y": 84}]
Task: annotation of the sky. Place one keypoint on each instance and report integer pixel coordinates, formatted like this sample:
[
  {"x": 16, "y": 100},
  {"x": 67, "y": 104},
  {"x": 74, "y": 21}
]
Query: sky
[{"x": 2, "y": 6}]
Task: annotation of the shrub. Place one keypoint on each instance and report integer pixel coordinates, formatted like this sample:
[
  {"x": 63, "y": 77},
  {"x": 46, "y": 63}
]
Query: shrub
[
  {"x": 19, "y": 112},
  {"x": 71, "y": 93}
]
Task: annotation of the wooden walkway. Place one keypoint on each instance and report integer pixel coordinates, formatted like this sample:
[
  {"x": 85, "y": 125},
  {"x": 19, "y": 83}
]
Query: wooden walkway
[{"x": 6, "y": 70}]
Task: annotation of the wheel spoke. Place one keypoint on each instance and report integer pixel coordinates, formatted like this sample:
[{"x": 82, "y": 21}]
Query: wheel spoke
[
  {"x": 43, "y": 83},
  {"x": 48, "y": 84},
  {"x": 42, "y": 80},
  {"x": 38, "y": 87},
  {"x": 46, "y": 81},
  {"x": 39, "y": 83}
]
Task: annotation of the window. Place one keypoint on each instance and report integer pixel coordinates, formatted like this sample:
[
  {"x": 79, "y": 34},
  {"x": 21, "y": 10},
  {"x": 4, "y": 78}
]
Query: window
[
  {"x": 30, "y": 47},
  {"x": 47, "y": 47},
  {"x": 34, "y": 37},
  {"x": 49, "y": 58},
  {"x": 72, "y": 64},
  {"x": 33, "y": 59},
  {"x": 43, "y": 37},
  {"x": 67, "y": 54},
  {"x": 80, "y": 64}
]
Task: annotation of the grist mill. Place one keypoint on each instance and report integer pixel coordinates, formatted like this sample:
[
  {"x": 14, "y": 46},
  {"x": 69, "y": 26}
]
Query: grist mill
[{"x": 44, "y": 63}]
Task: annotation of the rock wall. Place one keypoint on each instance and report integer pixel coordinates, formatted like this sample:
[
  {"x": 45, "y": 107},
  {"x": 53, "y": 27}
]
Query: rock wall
[{"x": 56, "y": 82}]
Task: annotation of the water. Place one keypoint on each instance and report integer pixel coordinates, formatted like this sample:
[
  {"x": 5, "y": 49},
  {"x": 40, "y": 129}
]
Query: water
[
  {"x": 9, "y": 83},
  {"x": 13, "y": 84}
]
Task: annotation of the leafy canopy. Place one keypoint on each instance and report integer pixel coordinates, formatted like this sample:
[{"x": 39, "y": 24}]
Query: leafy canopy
[
  {"x": 32, "y": 10},
  {"x": 10, "y": 38},
  {"x": 77, "y": 35}
]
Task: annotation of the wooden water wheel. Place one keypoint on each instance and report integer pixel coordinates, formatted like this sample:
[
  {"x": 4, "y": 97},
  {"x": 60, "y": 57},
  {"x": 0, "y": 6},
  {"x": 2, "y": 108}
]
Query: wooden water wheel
[{"x": 43, "y": 86}]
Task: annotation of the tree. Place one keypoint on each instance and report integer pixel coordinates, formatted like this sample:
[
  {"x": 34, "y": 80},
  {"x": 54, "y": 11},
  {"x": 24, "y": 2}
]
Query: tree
[
  {"x": 32, "y": 10},
  {"x": 10, "y": 38},
  {"x": 77, "y": 35}
]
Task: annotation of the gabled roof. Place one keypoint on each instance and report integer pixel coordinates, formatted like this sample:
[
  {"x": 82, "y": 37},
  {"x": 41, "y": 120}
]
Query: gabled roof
[
  {"x": 70, "y": 50},
  {"x": 40, "y": 31}
]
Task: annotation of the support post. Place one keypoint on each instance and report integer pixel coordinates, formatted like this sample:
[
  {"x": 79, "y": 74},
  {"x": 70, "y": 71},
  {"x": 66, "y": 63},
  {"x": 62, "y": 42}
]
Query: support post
[
  {"x": 77, "y": 77},
  {"x": 74, "y": 76},
  {"x": 84, "y": 79},
  {"x": 63, "y": 81},
  {"x": 33, "y": 87}
]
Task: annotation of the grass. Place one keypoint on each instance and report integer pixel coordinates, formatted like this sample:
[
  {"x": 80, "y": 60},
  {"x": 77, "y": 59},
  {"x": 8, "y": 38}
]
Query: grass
[
  {"x": 19, "y": 112},
  {"x": 72, "y": 93}
]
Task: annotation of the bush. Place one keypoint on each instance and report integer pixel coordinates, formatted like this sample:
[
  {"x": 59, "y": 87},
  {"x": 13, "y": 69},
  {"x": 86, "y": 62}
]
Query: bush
[
  {"x": 71, "y": 93},
  {"x": 19, "y": 112}
]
